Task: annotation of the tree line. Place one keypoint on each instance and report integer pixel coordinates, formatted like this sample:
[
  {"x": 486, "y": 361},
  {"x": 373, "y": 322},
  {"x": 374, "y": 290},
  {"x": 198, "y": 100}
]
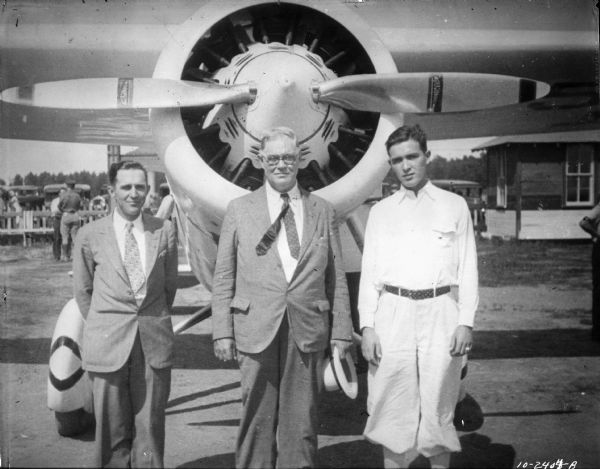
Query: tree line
[
  {"x": 466, "y": 168},
  {"x": 95, "y": 180}
]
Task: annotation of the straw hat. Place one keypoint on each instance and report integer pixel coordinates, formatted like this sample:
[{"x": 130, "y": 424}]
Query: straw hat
[{"x": 340, "y": 373}]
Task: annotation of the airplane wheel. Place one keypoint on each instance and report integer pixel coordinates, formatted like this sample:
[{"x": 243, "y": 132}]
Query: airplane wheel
[{"x": 73, "y": 423}]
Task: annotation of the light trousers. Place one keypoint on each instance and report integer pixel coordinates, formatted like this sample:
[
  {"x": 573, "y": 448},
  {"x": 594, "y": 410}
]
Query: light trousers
[{"x": 414, "y": 390}]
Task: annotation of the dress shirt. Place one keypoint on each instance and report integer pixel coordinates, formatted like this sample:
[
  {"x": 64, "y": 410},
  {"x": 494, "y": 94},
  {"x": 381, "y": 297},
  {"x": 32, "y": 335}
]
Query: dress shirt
[
  {"x": 419, "y": 242},
  {"x": 275, "y": 204},
  {"x": 54, "y": 207},
  {"x": 120, "y": 225}
]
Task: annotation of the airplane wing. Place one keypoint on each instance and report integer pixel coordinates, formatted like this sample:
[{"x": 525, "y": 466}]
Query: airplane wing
[{"x": 555, "y": 42}]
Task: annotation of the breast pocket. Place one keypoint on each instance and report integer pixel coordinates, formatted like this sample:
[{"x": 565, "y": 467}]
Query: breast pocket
[{"x": 443, "y": 235}]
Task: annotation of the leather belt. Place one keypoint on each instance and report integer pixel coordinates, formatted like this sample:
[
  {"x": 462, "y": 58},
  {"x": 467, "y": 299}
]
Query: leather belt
[{"x": 417, "y": 294}]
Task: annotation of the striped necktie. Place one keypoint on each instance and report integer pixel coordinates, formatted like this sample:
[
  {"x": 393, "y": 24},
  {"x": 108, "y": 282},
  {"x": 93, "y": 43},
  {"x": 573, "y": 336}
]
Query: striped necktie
[
  {"x": 290, "y": 227},
  {"x": 132, "y": 261}
]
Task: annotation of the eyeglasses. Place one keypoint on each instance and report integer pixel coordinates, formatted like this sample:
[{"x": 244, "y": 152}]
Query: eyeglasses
[{"x": 273, "y": 160}]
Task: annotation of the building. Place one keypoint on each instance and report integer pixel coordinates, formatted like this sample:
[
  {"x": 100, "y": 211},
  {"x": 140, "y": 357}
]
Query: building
[{"x": 539, "y": 186}]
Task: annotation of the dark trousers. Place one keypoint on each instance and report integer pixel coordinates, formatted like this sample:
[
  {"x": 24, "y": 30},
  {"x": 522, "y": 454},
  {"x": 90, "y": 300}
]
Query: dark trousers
[
  {"x": 596, "y": 290},
  {"x": 129, "y": 406},
  {"x": 280, "y": 388},
  {"x": 56, "y": 240}
]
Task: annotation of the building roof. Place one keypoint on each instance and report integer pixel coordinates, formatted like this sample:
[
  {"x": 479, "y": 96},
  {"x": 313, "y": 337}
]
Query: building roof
[{"x": 555, "y": 137}]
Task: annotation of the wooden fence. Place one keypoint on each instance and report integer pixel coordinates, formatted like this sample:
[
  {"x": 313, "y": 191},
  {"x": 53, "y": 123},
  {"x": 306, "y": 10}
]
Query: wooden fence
[{"x": 30, "y": 224}]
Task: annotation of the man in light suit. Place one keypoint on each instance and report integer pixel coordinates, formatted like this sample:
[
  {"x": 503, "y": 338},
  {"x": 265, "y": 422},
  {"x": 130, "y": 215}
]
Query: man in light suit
[
  {"x": 125, "y": 273},
  {"x": 279, "y": 300}
]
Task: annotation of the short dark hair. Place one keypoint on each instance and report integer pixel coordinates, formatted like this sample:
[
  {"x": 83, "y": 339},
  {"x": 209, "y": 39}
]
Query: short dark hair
[
  {"x": 124, "y": 164},
  {"x": 407, "y": 132}
]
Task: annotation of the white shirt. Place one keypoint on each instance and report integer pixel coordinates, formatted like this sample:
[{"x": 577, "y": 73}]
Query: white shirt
[
  {"x": 275, "y": 204},
  {"x": 120, "y": 225},
  {"x": 54, "y": 206},
  {"x": 419, "y": 242}
]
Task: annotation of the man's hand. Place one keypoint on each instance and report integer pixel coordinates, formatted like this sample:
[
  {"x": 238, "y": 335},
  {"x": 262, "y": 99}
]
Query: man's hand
[
  {"x": 370, "y": 346},
  {"x": 462, "y": 341},
  {"x": 343, "y": 346},
  {"x": 225, "y": 349}
]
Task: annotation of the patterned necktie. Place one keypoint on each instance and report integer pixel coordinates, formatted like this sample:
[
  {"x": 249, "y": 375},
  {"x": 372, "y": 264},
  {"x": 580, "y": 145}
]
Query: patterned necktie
[
  {"x": 132, "y": 261},
  {"x": 290, "y": 228},
  {"x": 267, "y": 240}
]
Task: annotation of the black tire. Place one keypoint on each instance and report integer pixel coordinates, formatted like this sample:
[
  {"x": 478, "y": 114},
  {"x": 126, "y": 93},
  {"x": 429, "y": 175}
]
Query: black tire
[{"x": 73, "y": 423}]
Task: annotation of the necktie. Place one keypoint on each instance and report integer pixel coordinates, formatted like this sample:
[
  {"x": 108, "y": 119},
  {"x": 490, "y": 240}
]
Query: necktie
[
  {"x": 132, "y": 261},
  {"x": 290, "y": 226}
]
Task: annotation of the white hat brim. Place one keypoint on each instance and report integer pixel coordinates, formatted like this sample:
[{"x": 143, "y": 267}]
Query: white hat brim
[{"x": 347, "y": 384}]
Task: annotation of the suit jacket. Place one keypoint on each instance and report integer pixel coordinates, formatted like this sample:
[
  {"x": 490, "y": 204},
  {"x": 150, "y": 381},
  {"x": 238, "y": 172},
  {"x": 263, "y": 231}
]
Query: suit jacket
[
  {"x": 251, "y": 293},
  {"x": 107, "y": 302}
]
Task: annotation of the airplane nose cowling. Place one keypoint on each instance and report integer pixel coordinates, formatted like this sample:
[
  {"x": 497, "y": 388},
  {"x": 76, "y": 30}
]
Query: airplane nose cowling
[{"x": 283, "y": 49}]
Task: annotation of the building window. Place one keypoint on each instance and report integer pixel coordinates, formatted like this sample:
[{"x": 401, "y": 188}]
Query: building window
[{"x": 579, "y": 177}]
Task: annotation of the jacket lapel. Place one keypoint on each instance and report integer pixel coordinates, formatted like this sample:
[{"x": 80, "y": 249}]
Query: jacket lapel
[
  {"x": 108, "y": 239},
  {"x": 262, "y": 222},
  {"x": 261, "y": 218},
  {"x": 311, "y": 216},
  {"x": 152, "y": 237}
]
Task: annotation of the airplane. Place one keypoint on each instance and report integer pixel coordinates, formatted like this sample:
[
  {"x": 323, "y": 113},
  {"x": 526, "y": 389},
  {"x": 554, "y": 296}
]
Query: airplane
[{"x": 197, "y": 81}]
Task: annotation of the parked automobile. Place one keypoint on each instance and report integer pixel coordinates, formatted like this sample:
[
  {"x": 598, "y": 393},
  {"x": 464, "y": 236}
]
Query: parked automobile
[
  {"x": 30, "y": 197},
  {"x": 51, "y": 191}
]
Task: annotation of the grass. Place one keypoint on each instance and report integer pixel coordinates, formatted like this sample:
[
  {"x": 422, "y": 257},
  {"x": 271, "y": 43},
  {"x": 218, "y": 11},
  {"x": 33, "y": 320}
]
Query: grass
[{"x": 563, "y": 264}]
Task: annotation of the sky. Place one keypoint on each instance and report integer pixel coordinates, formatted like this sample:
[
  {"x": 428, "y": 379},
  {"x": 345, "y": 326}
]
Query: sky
[{"x": 23, "y": 156}]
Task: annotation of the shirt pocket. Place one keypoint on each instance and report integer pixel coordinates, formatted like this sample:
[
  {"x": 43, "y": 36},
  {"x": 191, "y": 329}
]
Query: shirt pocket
[{"x": 443, "y": 234}]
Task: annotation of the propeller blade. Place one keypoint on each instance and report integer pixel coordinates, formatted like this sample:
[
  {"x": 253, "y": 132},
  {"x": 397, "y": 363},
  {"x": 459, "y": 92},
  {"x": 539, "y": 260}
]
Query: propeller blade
[
  {"x": 392, "y": 93},
  {"x": 128, "y": 93}
]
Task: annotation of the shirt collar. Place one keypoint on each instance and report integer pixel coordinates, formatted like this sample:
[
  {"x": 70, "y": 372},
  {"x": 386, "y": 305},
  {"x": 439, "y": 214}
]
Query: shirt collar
[
  {"x": 428, "y": 190},
  {"x": 121, "y": 223},
  {"x": 275, "y": 196}
]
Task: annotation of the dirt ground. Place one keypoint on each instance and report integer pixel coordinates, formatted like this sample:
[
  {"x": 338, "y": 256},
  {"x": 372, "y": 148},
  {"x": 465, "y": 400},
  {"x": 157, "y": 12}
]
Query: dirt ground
[{"x": 533, "y": 370}]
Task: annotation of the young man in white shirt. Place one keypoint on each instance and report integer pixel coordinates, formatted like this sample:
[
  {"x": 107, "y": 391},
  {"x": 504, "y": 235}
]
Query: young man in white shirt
[{"x": 417, "y": 301}]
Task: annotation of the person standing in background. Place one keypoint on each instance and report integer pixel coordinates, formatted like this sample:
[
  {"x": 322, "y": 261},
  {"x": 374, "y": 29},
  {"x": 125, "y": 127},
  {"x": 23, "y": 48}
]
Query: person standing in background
[
  {"x": 56, "y": 215},
  {"x": 13, "y": 205},
  {"x": 69, "y": 205},
  {"x": 590, "y": 224}
]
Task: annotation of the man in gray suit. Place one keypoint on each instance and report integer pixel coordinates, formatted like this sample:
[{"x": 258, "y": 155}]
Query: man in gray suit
[
  {"x": 279, "y": 300},
  {"x": 125, "y": 273}
]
